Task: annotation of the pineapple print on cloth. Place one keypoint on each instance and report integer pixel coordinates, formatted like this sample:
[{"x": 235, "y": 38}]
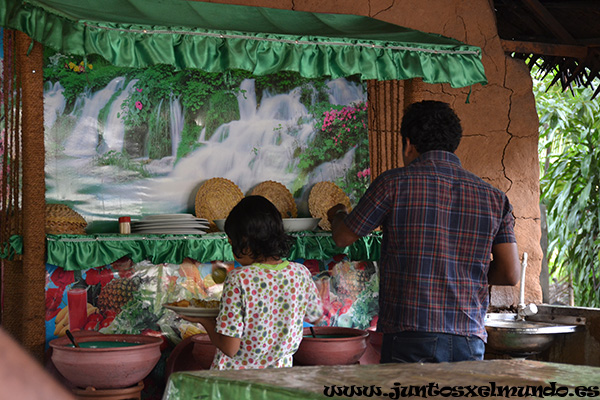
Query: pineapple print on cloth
[
  {"x": 353, "y": 294},
  {"x": 117, "y": 293},
  {"x": 349, "y": 279}
]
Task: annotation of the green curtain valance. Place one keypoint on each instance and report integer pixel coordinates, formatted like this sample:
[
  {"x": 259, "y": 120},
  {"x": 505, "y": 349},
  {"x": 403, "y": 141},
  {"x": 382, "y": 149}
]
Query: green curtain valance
[
  {"x": 219, "y": 37},
  {"x": 75, "y": 252}
]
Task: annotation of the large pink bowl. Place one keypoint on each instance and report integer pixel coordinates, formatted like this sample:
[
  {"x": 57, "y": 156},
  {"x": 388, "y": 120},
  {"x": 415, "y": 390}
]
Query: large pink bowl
[
  {"x": 203, "y": 351},
  {"x": 332, "y": 346},
  {"x": 106, "y": 368}
]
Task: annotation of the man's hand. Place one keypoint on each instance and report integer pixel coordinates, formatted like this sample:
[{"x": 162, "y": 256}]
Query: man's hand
[
  {"x": 341, "y": 234},
  {"x": 333, "y": 211}
]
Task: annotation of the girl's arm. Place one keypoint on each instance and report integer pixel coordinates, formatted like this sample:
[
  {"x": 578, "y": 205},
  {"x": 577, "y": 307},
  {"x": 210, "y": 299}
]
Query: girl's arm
[{"x": 227, "y": 344}]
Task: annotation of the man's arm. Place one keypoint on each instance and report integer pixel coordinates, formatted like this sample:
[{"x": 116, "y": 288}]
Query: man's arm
[
  {"x": 341, "y": 234},
  {"x": 505, "y": 268}
]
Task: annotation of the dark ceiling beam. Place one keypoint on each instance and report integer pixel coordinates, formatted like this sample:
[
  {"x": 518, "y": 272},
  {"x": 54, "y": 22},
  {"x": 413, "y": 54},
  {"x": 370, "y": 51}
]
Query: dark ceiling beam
[
  {"x": 545, "y": 49},
  {"x": 573, "y": 4},
  {"x": 548, "y": 20}
]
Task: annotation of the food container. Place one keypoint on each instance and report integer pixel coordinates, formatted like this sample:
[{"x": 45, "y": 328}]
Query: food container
[
  {"x": 124, "y": 225},
  {"x": 331, "y": 346},
  {"x": 106, "y": 361}
]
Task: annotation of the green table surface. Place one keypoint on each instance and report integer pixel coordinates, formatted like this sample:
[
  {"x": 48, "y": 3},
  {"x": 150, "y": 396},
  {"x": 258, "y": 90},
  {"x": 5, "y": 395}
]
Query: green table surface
[{"x": 489, "y": 378}]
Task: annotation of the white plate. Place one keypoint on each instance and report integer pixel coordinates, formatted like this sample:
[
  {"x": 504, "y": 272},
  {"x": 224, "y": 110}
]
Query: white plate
[
  {"x": 171, "y": 221},
  {"x": 169, "y": 228},
  {"x": 176, "y": 231},
  {"x": 170, "y": 224},
  {"x": 194, "y": 311},
  {"x": 300, "y": 224},
  {"x": 170, "y": 216}
]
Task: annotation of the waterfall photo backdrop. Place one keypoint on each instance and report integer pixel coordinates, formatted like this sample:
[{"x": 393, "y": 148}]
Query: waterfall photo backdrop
[{"x": 126, "y": 141}]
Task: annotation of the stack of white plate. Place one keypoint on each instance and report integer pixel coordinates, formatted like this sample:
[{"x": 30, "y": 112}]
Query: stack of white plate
[{"x": 170, "y": 224}]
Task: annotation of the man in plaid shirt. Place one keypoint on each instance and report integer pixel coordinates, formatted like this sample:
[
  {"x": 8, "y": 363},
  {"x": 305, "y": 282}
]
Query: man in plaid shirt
[{"x": 441, "y": 226}]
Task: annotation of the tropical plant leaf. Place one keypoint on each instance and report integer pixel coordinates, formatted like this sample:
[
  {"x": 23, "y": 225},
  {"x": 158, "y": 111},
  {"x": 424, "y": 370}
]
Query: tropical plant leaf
[{"x": 569, "y": 186}]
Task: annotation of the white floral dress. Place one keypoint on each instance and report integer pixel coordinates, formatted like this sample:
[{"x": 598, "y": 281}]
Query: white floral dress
[{"x": 265, "y": 305}]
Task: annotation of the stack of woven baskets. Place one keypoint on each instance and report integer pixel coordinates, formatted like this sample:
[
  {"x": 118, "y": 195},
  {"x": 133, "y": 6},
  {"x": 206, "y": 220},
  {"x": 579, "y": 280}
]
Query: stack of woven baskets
[
  {"x": 217, "y": 196},
  {"x": 62, "y": 220}
]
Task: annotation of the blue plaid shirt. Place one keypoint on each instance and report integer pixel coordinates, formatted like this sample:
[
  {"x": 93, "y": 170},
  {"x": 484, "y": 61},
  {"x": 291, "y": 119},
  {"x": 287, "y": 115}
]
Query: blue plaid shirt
[{"x": 439, "y": 222}]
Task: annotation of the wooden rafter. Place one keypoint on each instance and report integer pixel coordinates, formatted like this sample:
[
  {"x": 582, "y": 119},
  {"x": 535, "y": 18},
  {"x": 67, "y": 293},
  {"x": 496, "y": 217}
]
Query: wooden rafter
[
  {"x": 548, "y": 20},
  {"x": 546, "y": 49}
]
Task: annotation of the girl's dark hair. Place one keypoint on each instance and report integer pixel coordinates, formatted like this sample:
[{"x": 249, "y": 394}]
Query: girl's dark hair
[
  {"x": 255, "y": 228},
  {"x": 431, "y": 125}
]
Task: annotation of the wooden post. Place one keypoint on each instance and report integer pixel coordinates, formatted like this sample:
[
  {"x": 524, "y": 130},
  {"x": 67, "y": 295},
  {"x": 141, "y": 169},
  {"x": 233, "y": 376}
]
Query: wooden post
[
  {"x": 386, "y": 104},
  {"x": 24, "y": 281}
]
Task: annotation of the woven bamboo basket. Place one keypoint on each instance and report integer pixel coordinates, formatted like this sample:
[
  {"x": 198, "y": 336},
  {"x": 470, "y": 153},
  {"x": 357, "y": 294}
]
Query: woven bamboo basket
[
  {"x": 279, "y": 195},
  {"x": 62, "y": 220},
  {"x": 215, "y": 199},
  {"x": 323, "y": 196}
]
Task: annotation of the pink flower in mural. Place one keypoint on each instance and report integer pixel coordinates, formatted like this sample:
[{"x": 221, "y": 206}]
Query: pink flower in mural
[
  {"x": 364, "y": 173},
  {"x": 139, "y": 90},
  {"x": 138, "y": 105}
]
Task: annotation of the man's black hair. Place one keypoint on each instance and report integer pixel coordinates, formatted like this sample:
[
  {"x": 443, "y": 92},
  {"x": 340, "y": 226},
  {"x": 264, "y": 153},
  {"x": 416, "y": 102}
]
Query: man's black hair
[
  {"x": 255, "y": 228},
  {"x": 431, "y": 125}
]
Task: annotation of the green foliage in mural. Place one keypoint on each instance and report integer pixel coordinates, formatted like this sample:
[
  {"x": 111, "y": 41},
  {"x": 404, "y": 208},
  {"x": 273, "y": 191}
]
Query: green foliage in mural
[
  {"x": 123, "y": 161},
  {"x": 77, "y": 75},
  {"x": 159, "y": 134},
  {"x": 339, "y": 129},
  {"x": 222, "y": 108},
  {"x": 312, "y": 90},
  {"x": 154, "y": 85},
  {"x": 570, "y": 185},
  {"x": 189, "y": 140}
]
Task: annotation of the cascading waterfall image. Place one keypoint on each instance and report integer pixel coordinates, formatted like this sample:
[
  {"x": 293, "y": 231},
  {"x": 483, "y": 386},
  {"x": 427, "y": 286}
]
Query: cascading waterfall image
[{"x": 141, "y": 141}]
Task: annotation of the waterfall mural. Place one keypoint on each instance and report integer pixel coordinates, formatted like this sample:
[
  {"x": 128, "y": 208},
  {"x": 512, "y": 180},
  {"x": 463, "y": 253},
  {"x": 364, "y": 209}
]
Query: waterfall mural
[{"x": 123, "y": 141}]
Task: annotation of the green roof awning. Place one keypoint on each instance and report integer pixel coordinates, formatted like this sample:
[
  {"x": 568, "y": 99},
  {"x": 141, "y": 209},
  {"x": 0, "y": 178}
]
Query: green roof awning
[{"x": 218, "y": 37}]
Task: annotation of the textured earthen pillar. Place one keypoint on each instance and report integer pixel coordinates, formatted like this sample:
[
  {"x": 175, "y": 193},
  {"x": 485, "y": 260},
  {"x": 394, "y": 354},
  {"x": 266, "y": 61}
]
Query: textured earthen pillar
[
  {"x": 386, "y": 103},
  {"x": 24, "y": 281}
]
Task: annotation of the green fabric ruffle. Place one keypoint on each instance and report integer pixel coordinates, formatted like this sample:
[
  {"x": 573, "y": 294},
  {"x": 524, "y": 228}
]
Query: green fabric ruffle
[
  {"x": 219, "y": 37},
  {"x": 75, "y": 252}
]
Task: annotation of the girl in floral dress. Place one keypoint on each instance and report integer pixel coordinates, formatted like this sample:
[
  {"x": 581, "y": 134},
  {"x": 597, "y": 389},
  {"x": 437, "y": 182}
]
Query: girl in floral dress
[{"x": 264, "y": 302}]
